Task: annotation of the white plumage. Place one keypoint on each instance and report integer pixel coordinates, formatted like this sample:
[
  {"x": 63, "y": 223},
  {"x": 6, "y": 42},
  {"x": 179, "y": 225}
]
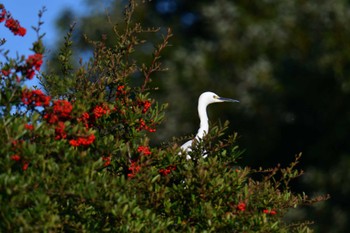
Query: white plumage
[{"x": 204, "y": 100}]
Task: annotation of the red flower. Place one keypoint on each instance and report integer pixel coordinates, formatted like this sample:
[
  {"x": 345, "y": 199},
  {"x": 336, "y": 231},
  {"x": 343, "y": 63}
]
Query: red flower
[
  {"x": 29, "y": 73},
  {"x": 84, "y": 119},
  {"x": 35, "y": 61},
  {"x": 35, "y": 97},
  {"x": 164, "y": 172},
  {"x": 59, "y": 131},
  {"x": 133, "y": 169},
  {"x": 17, "y": 143},
  {"x": 241, "y": 206},
  {"x": 11, "y": 23},
  {"x": 107, "y": 161},
  {"x": 90, "y": 139},
  {"x": 83, "y": 141},
  {"x": 100, "y": 111},
  {"x": 121, "y": 90},
  {"x": 61, "y": 111},
  {"x": 144, "y": 150},
  {"x": 74, "y": 142},
  {"x": 29, "y": 127},
  {"x": 85, "y": 116},
  {"x": 25, "y": 166},
  {"x": 271, "y": 212},
  {"x": 3, "y": 15},
  {"x": 145, "y": 104},
  {"x": 21, "y": 31},
  {"x": 5, "y": 72},
  {"x": 62, "y": 108},
  {"x": 167, "y": 170},
  {"x": 15, "y": 27},
  {"x": 145, "y": 127},
  {"x": 15, "y": 157},
  {"x": 51, "y": 118}
]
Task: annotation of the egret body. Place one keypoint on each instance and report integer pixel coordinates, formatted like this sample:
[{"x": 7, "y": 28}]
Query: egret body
[{"x": 204, "y": 100}]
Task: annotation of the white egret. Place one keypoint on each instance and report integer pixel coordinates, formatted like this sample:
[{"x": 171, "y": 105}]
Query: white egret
[{"x": 204, "y": 100}]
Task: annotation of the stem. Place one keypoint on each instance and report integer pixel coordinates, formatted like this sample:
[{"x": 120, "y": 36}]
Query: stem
[{"x": 155, "y": 66}]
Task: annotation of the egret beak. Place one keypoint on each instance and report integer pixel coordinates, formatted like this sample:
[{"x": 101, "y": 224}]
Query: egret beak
[{"x": 223, "y": 99}]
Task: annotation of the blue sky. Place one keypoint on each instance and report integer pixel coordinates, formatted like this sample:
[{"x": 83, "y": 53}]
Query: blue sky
[{"x": 26, "y": 12}]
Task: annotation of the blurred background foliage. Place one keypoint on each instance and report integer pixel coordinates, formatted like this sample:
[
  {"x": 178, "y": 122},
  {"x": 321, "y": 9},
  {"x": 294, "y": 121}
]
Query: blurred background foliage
[{"x": 286, "y": 61}]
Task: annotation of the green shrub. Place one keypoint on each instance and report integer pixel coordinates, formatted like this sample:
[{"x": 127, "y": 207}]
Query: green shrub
[{"x": 77, "y": 157}]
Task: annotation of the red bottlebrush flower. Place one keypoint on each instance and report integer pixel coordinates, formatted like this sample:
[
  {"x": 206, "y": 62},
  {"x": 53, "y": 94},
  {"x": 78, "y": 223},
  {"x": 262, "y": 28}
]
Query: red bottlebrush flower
[
  {"x": 144, "y": 150},
  {"x": 29, "y": 127},
  {"x": 15, "y": 157},
  {"x": 241, "y": 206}
]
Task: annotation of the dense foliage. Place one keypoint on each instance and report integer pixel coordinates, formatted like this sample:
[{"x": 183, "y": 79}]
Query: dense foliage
[
  {"x": 286, "y": 61},
  {"x": 75, "y": 155}
]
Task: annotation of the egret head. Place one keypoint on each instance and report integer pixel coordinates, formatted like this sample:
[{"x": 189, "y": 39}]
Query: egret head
[{"x": 210, "y": 97}]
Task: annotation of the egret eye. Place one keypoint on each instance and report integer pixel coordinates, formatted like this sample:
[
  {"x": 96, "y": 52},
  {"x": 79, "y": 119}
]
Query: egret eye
[{"x": 215, "y": 96}]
